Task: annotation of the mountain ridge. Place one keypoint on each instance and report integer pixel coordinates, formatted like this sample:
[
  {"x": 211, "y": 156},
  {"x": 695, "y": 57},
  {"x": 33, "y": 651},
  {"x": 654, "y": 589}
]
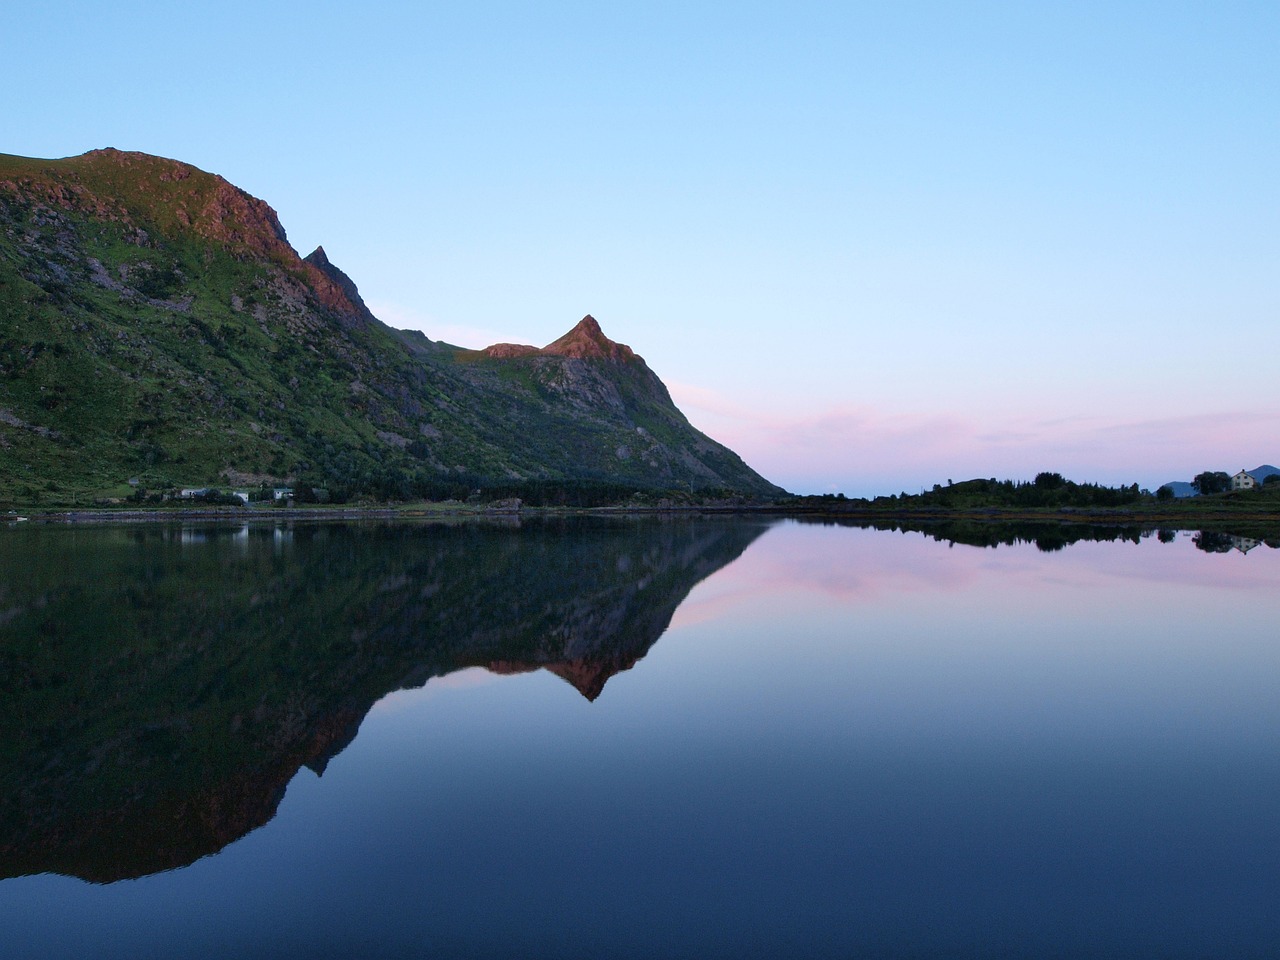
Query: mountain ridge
[{"x": 159, "y": 327}]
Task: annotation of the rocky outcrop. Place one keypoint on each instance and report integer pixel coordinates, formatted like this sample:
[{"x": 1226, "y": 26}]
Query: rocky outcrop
[
  {"x": 586, "y": 341},
  {"x": 336, "y": 290}
]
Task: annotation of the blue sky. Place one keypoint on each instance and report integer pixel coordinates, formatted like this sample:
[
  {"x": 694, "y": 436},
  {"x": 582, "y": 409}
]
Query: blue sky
[{"x": 870, "y": 246}]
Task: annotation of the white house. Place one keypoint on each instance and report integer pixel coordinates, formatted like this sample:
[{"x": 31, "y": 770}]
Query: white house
[{"x": 1243, "y": 481}]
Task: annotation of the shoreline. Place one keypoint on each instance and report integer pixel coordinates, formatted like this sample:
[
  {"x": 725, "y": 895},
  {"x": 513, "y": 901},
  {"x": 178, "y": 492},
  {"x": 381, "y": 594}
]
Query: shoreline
[{"x": 1194, "y": 519}]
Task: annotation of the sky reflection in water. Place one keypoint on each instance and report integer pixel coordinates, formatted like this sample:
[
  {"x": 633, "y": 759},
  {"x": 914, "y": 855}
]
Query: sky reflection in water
[{"x": 848, "y": 743}]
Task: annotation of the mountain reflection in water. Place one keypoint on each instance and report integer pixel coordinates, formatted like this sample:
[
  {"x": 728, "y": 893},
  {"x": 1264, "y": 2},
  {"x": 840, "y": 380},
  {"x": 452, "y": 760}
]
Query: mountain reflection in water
[
  {"x": 161, "y": 686},
  {"x": 851, "y": 742}
]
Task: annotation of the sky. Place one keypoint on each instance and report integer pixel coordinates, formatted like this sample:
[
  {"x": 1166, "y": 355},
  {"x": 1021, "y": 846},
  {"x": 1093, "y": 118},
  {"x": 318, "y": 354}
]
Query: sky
[{"x": 869, "y": 246}]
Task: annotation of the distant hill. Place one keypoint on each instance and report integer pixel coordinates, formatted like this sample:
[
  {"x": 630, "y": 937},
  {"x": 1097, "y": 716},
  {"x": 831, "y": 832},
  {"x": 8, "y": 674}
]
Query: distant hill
[
  {"x": 158, "y": 326},
  {"x": 1181, "y": 488},
  {"x": 1261, "y": 473}
]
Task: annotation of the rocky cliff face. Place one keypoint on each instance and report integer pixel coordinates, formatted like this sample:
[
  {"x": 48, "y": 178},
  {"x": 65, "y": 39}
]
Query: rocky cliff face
[
  {"x": 157, "y": 325},
  {"x": 337, "y": 291}
]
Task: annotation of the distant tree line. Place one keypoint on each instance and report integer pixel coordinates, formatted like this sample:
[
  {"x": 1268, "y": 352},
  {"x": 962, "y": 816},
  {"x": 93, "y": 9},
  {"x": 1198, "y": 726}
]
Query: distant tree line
[{"x": 1048, "y": 489}]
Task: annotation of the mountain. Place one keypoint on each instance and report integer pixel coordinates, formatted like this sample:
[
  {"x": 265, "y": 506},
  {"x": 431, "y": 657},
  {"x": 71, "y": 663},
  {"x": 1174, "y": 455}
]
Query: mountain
[
  {"x": 1261, "y": 473},
  {"x": 158, "y": 326}
]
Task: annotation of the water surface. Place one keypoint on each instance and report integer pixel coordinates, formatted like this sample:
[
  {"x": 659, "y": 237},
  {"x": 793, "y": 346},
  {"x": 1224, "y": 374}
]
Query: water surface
[{"x": 636, "y": 739}]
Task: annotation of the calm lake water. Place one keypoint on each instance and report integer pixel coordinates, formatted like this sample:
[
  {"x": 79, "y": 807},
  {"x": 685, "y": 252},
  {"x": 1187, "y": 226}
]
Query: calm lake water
[{"x": 636, "y": 739}]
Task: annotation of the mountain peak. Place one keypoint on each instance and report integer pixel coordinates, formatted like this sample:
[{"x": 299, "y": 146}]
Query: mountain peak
[
  {"x": 585, "y": 340},
  {"x": 588, "y": 340},
  {"x": 335, "y": 289}
]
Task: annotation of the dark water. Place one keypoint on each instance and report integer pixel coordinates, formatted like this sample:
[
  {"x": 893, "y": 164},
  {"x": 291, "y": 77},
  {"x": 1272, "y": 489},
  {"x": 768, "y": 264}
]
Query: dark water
[{"x": 636, "y": 739}]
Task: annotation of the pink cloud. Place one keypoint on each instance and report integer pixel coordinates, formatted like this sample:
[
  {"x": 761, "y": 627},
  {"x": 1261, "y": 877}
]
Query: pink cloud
[{"x": 863, "y": 449}]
